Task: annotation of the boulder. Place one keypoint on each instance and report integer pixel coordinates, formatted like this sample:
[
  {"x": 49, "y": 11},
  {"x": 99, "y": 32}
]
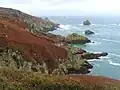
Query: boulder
[
  {"x": 88, "y": 32},
  {"x": 86, "y": 22},
  {"x": 93, "y": 55},
  {"x": 77, "y": 39}
]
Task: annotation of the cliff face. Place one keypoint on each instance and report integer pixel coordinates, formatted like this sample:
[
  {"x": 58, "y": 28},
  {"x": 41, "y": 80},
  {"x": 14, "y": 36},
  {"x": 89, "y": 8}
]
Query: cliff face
[{"x": 21, "y": 50}]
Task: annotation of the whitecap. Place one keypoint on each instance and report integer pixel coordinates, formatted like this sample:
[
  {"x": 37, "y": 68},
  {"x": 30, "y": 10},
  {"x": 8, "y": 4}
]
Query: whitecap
[
  {"x": 104, "y": 57},
  {"x": 95, "y": 43},
  {"x": 97, "y": 52},
  {"x": 112, "y": 63},
  {"x": 111, "y": 40},
  {"x": 61, "y": 26},
  {"x": 93, "y": 24},
  {"x": 114, "y": 24},
  {"x": 96, "y": 65},
  {"x": 81, "y": 24},
  {"x": 113, "y": 54},
  {"x": 67, "y": 27},
  {"x": 92, "y": 60}
]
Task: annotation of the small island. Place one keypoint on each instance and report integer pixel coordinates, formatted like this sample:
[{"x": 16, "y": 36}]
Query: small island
[{"x": 87, "y": 22}]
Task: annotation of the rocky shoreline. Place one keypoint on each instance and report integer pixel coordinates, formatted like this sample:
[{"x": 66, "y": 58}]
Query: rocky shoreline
[
  {"x": 37, "y": 42},
  {"x": 31, "y": 58}
]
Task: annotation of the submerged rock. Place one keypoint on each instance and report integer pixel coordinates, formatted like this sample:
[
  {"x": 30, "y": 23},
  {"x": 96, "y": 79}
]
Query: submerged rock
[
  {"x": 88, "y": 32},
  {"x": 77, "y": 39},
  {"x": 86, "y": 22}
]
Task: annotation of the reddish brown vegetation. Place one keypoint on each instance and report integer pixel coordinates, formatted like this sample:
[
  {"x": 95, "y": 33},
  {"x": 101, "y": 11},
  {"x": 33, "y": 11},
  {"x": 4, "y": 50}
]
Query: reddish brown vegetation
[
  {"x": 32, "y": 47},
  {"x": 92, "y": 80}
]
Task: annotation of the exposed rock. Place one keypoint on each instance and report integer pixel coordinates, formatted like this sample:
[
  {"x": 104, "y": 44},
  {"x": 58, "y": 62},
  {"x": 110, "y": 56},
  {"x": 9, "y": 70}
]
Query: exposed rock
[
  {"x": 77, "y": 39},
  {"x": 93, "y": 55},
  {"x": 87, "y": 65},
  {"x": 56, "y": 38},
  {"x": 88, "y": 32},
  {"x": 31, "y": 47},
  {"x": 78, "y": 51},
  {"x": 84, "y": 69},
  {"x": 32, "y": 52},
  {"x": 86, "y": 22},
  {"x": 36, "y": 24}
]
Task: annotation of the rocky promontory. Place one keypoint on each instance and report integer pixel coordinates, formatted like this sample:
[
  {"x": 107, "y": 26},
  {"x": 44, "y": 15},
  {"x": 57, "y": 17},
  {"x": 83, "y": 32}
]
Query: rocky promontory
[
  {"x": 77, "y": 39},
  {"x": 33, "y": 59}
]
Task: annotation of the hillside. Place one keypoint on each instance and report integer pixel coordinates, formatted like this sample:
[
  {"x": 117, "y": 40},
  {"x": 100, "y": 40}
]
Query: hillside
[
  {"x": 30, "y": 59},
  {"x": 36, "y": 24},
  {"x": 20, "y": 80}
]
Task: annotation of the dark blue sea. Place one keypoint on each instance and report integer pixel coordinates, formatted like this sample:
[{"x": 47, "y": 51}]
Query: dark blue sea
[{"x": 106, "y": 38}]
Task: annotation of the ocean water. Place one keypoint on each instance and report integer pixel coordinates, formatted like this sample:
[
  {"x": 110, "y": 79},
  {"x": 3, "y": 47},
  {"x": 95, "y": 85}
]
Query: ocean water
[{"x": 106, "y": 38}]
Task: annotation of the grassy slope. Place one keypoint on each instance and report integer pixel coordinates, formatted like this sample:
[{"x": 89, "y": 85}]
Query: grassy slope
[{"x": 20, "y": 80}]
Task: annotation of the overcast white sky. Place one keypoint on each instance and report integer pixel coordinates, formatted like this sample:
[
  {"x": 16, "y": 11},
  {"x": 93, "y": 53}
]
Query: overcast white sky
[{"x": 65, "y": 7}]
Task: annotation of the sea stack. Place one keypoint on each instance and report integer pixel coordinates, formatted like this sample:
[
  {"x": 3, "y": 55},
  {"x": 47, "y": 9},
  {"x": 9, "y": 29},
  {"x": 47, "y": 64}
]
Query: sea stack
[
  {"x": 89, "y": 32},
  {"x": 87, "y": 22}
]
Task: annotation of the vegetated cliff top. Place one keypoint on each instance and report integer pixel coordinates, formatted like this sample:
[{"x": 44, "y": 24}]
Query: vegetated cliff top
[
  {"x": 13, "y": 35},
  {"x": 15, "y": 79},
  {"x": 39, "y": 23}
]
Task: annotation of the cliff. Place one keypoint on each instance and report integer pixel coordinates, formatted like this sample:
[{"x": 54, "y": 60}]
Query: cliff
[{"x": 30, "y": 59}]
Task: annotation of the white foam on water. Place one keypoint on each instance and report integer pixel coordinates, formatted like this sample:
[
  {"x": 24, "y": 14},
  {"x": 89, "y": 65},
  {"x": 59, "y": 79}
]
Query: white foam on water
[
  {"x": 114, "y": 24},
  {"x": 97, "y": 65},
  {"x": 67, "y": 27},
  {"x": 97, "y": 52},
  {"x": 90, "y": 25},
  {"x": 95, "y": 43},
  {"x": 93, "y": 24},
  {"x": 61, "y": 26},
  {"x": 104, "y": 57},
  {"x": 111, "y": 40},
  {"x": 113, "y": 54},
  {"x": 81, "y": 24},
  {"x": 112, "y": 63},
  {"x": 92, "y": 60}
]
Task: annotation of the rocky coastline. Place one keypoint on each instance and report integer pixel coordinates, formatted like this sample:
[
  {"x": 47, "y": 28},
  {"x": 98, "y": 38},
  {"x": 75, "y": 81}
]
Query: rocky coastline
[{"x": 41, "y": 59}]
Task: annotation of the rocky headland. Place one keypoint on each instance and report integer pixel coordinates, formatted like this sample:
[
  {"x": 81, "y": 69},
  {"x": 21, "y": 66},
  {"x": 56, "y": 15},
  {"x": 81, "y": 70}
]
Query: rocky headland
[{"x": 33, "y": 59}]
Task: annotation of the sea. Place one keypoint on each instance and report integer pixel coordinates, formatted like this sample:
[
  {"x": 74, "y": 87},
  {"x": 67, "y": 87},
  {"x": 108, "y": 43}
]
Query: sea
[{"x": 106, "y": 38}]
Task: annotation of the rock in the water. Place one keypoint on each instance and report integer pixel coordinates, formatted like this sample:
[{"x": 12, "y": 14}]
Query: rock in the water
[
  {"x": 104, "y": 54},
  {"x": 77, "y": 39},
  {"x": 93, "y": 55},
  {"x": 86, "y": 22},
  {"x": 88, "y": 32}
]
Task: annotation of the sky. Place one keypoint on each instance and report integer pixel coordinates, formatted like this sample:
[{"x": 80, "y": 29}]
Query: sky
[{"x": 65, "y": 7}]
